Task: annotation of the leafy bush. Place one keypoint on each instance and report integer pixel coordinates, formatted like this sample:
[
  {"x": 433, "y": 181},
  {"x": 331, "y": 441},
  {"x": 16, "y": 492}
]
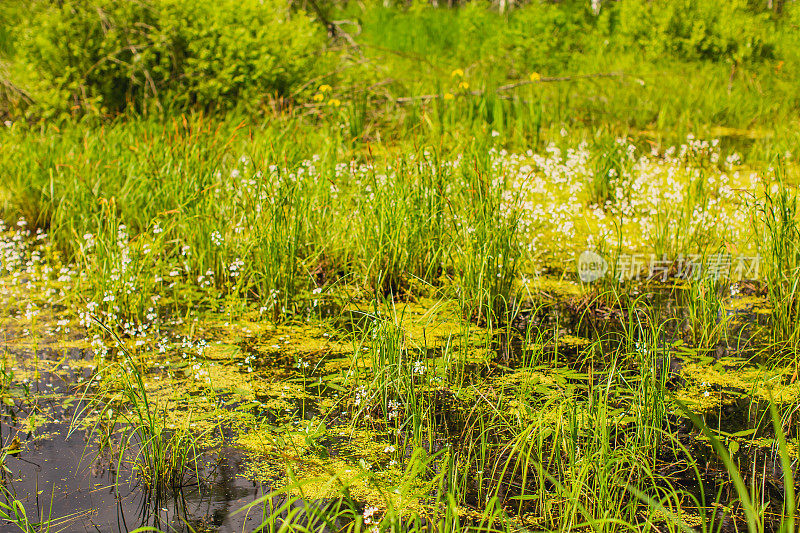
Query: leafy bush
[
  {"x": 102, "y": 55},
  {"x": 541, "y": 37},
  {"x": 419, "y": 30},
  {"x": 238, "y": 50},
  {"x": 694, "y": 29},
  {"x": 548, "y": 36},
  {"x": 538, "y": 36},
  {"x": 89, "y": 55}
]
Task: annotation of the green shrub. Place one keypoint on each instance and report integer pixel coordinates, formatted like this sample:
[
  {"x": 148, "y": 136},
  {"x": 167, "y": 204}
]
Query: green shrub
[
  {"x": 103, "y": 55},
  {"x": 238, "y": 50},
  {"x": 89, "y": 55},
  {"x": 536, "y": 37},
  {"x": 694, "y": 29},
  {"x": 9, "y": 16},
  {"x": 540, "y": 37},
  {"x": 419, "y": 30}
]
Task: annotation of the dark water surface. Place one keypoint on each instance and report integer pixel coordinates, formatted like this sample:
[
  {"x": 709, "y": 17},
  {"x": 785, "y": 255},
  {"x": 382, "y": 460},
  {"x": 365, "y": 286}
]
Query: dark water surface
[{"x": 67, "y": 478}]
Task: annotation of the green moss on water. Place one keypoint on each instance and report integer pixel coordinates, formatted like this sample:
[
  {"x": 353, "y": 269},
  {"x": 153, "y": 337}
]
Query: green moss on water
[
  {"x": 716, "y": 383},
  {"x": 285, "y": 394}
]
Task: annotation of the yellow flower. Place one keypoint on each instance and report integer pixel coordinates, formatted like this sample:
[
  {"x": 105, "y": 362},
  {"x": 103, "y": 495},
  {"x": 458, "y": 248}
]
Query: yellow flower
[
  {"x": 457, "y": 73},
  {"x": 334, "y": 102},
  {"x": 448, "y": 96},
  {"x": 325, "y": 88},
  {"x": 535, "y": 76},
  {"x": 319, "y": 97},
  {"x": 463, "y": 85}
]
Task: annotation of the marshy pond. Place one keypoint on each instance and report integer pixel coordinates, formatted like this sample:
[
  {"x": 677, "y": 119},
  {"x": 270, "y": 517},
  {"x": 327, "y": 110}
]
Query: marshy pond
[
  {"x": 162, "y": 380},
  {"x": 357, "y": 397}
]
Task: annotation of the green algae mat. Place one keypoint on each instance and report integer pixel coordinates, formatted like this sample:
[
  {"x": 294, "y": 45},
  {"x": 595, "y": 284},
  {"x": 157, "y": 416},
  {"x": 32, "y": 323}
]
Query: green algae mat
[{"x": 503, "y": 342}]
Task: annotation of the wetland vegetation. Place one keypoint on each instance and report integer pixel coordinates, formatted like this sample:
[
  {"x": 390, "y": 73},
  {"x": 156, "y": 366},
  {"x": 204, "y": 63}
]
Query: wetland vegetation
[{"x": 399, "y": 266}]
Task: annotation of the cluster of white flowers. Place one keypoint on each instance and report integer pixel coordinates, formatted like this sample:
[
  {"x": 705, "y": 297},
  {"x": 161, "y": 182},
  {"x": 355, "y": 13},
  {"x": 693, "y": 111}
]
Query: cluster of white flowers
[
  {"x": 369, "y": 515},
  {"x": 206, "y": 280},
  {"x": 395, "y": 408},
  {"x": 550, "y": 197},
  {"x": 235, "y": 266},
  {"x": 360, "y": 396}
]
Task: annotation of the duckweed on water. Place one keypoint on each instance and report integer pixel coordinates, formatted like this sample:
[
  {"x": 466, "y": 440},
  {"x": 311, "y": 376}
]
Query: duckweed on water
[{"x": 452, "y": 369}]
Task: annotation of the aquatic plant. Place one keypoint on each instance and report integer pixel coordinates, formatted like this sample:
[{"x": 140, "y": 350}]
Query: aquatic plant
[
  {"x": 165, "y": 458},
  {"x": 778, "y": 236}
]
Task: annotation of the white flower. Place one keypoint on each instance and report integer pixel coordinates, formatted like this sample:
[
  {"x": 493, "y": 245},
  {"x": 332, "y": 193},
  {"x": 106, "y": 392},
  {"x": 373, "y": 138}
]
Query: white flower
[
  {"x": 369, "y": 514},
  {"x": 235, "y": 266}
]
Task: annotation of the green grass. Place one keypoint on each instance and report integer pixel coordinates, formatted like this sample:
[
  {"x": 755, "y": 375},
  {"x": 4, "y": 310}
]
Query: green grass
[{"x": 377, "y": 271}]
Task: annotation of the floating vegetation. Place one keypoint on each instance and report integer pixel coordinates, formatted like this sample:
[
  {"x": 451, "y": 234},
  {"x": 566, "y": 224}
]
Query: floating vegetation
[{"x": 350, "y": 386}]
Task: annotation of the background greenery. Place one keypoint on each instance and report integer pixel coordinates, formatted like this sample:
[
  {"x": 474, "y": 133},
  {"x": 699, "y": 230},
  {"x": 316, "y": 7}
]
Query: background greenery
[
  {"x": 727, "y": 70},
  {"x": 322, "y": 163}
]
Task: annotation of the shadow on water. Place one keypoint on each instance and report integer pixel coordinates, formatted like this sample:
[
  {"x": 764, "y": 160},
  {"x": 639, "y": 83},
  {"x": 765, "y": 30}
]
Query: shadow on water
[
  {"x": 79, "y": 483},
  {"x": 55, "y": 472}
]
